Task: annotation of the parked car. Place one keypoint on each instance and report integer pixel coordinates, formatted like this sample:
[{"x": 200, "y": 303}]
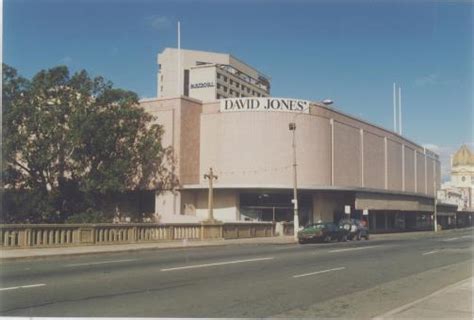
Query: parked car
[
  {"x": 325, "y": 231},
  {"x": 356, "y": 228}
]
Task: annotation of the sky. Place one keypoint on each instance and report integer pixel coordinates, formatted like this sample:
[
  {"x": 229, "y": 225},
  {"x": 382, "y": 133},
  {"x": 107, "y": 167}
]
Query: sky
[{"x": 348, "y": 51}]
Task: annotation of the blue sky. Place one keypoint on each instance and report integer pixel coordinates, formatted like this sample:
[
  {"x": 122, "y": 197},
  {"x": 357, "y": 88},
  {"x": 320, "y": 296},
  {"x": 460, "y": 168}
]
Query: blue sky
[{"x": 349, "y": 51}]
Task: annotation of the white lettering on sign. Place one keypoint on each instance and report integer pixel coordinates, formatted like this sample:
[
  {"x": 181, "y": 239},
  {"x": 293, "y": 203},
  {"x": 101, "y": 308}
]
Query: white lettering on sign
[
  {"x": 365, "y": 212},
  {"x": 347, "y": 209},
  {"x": 264, "y": 104},
  {"x": 202, "y": 85}
]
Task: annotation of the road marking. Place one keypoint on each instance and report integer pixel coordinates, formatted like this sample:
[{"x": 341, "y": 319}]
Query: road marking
[
  {"x": 451, "y": 239},
  {"x": 466, "y": 237},
  {"x": 350, "y": 249},
  {"x": 430, "y": 252},
  {"x": 216, "y": 264},
  {"x": 100, "y": 262},
  {"x": 317, "y": 272},
  {"x": 23, "y": 287}
]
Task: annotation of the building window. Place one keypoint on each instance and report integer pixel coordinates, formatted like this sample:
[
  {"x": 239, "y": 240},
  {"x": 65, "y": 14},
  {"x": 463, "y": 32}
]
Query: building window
[
  {"x": 236, "y": 84},
  {"x": 248, "y": 90},
  {"x": 186, "y": 82},
  {"x": 218, "y": 86},
  {"x": 231, "y": 91},
  {"x": 218, "y": 76},
  {"x": 218, "y": 96},
  {"x": 225, "y": 78},
  {"x": 224, "y": 88},
  {"x": 231, "y": 82}
]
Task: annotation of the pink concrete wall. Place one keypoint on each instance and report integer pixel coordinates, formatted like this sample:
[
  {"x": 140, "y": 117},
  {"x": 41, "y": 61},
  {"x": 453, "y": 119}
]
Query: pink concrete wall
[
  {"x": 190, "y": 138},
  {"x": 256, "y": 148},
  {"x": 347, "y": 155},
  {"x": 430, "y": 175},
  {"x": 253, "y": 149},
  {"x": 409, "y": 169},
  {"x": 394, "y": 162},
  {"x": 420, "y": 172},
  {"x": 374, "y": 165}
]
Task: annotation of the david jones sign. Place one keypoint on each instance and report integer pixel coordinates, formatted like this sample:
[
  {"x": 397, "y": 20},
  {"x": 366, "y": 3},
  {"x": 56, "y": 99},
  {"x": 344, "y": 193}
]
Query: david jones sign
[{"x": 264, "y": 104}]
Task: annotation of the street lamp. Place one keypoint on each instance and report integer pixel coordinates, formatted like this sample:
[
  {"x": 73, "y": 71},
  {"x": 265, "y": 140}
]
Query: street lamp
[
  {"x": 327, "y": 102},
  {"x": 435, "y": 200},
  {"x": 292, "y": 128}
]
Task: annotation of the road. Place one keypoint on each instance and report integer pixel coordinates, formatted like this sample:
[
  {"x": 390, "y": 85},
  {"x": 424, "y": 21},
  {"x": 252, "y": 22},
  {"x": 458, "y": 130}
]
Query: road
[{"x": 351, "y": 279}]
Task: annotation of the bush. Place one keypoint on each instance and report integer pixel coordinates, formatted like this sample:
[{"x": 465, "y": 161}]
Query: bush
[{"x": 90, "y": 216}]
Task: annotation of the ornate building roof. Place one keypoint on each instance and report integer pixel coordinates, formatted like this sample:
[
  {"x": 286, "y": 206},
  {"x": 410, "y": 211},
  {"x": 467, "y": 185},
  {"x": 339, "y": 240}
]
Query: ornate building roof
[{"x": 463, "y": 157}]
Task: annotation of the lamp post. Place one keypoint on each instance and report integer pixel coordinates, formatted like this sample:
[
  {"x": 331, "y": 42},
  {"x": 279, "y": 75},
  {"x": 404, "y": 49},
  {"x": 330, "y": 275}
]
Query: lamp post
[
  {"x": 435, "y": 211},
  {"x": 292, "y": 127}
]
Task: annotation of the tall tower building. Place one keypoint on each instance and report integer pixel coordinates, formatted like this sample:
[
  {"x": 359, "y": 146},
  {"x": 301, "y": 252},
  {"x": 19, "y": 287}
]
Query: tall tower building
[{"x": 208, "y": 76}]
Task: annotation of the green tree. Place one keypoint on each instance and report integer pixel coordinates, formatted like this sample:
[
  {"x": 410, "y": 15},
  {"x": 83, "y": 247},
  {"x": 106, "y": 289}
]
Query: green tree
[{"x": 70, "y": 142}]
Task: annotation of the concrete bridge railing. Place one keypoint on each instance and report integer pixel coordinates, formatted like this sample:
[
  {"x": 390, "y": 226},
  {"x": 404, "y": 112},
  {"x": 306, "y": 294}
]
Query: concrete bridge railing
[{"x": 61, "y": 235}]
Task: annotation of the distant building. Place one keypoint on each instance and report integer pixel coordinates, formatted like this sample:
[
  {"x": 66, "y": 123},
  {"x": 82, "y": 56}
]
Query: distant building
[
  {"x": 208, "y": 76},
  {"x": 461, "y": 185}
]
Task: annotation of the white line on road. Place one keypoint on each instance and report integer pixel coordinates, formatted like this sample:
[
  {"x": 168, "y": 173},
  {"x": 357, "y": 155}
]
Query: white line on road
[
  {"x": 350, "y": 249},
  {"x": 216, "y": 264},
  {"x": 317, "y": 272},
  {"x": 23, "y": 287},
  {"x": 451, "y": 239},
  {"x": 430, "y": 252},
  {"x": 99, "y": 262}
]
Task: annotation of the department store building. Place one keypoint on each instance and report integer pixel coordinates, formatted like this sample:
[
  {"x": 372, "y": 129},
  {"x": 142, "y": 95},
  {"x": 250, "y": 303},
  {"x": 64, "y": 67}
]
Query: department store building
[{"x": 342, "y": 161}]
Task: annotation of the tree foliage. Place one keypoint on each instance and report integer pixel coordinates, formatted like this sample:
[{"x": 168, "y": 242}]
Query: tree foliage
[{"x": 71, "y": 141}]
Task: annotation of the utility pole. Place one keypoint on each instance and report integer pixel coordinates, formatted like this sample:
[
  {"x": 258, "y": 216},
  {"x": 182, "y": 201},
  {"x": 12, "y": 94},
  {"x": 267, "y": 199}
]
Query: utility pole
[
  {"x": 435, "y": 212},
  {"x": 400, "y": 111},
  {"x": 395, "y": 107},
  {"x": 292, "y": 127},
  {"x": 210, "y": 176},
  {"x": 179, "y": 60}
]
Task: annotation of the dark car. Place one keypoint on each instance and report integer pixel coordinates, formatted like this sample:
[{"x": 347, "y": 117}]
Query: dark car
[
  {"x": 356, "y": 228},
  {"x": 325, "y": 231}
]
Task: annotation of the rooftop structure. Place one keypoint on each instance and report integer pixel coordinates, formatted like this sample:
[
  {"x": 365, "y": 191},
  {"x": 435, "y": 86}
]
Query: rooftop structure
[{"x": 208, "y": 76}]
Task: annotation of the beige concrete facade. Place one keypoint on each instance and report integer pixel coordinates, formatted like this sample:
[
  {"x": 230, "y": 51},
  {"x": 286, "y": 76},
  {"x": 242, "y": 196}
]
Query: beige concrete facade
[
  {"x": 208, "y": 76},
  {"x": 341, "y": 161}
]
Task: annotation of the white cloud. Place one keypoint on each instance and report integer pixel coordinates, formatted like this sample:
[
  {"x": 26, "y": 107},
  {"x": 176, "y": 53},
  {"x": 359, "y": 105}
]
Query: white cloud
[
  {"x": 427, "y": 80},
  {"x": 158, "y": 22}
]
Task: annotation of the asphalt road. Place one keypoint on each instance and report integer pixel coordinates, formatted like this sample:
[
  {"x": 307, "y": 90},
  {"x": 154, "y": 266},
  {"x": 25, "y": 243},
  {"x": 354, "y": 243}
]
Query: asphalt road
[{"x": 351, "y": 279}]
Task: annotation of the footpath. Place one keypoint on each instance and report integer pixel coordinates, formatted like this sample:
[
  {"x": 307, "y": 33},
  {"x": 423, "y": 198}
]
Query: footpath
[
  {"x": 34, "y": 253},
  {"x": 452, "y": 302}
]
